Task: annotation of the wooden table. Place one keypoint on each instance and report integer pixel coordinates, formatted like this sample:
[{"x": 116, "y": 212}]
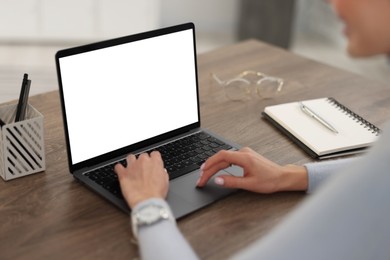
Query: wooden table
[{"x": 51, "y": 216}]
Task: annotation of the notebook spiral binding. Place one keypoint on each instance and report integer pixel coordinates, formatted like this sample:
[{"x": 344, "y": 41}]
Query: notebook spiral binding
[{"x": 371, "y": 127}]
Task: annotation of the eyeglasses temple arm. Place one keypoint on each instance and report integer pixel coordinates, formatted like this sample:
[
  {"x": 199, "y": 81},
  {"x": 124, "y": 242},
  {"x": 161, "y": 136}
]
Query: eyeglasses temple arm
[{"x": 217, "y": 79}]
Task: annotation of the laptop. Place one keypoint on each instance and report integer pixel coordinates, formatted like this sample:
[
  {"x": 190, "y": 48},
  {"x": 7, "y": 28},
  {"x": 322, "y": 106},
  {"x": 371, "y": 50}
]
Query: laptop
[{"x": 137, "y": 94}]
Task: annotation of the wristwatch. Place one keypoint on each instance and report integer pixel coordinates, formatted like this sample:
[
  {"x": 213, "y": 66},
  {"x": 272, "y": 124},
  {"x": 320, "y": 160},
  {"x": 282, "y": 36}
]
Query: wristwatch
[{"x": 149, "y": 214}]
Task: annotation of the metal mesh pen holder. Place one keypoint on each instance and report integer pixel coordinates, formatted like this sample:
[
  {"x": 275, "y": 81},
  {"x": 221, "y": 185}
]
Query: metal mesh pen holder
[{"x": 22, "y": 149}]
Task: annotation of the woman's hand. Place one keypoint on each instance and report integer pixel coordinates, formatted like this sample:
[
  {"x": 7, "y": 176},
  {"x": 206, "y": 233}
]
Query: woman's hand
[
  {"x": 143, "y": 178},
  {"x": 260, "y": 174}
]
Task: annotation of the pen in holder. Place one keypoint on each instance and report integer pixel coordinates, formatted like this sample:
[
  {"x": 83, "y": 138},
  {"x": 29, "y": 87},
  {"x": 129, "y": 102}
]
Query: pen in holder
[{"x": 22, "y": 150}]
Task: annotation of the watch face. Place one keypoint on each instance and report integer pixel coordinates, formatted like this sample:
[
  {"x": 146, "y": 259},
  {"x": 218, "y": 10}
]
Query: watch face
[{"x": 149, "y": 214}]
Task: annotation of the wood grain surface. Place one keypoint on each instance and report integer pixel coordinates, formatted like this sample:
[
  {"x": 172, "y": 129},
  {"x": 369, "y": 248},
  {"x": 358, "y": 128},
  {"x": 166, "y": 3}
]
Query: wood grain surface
[{"x": 49, "y": 215}]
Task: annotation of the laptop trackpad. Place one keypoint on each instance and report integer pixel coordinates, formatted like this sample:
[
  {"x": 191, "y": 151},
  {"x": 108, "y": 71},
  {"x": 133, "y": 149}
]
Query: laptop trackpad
[
  {"x": 185, "y": 187},
  {"x": 235, "y": 171}
]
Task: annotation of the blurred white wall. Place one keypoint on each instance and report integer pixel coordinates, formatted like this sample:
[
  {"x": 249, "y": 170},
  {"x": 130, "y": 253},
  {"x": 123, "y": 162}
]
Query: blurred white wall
[
  {"x": 85, "y": 20},
  {"x": 75, "y": 20}
]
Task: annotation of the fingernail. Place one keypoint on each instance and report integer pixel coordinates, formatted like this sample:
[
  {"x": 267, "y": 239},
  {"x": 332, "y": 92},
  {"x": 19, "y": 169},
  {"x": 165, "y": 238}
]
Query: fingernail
[
  {"x": 219, "y": 181},
  {"x": 202, "y": 166},
  {"x": 200, "y": 173},
  {"x": 197, "y": 182}
]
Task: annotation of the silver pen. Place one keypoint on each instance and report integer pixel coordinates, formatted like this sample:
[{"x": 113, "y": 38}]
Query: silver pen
[{"x": 314, "y": 115}]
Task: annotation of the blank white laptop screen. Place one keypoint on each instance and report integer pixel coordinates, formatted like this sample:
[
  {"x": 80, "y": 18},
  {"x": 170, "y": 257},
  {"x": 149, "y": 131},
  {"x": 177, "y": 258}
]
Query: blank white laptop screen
[{"x": 121, "y": 95}]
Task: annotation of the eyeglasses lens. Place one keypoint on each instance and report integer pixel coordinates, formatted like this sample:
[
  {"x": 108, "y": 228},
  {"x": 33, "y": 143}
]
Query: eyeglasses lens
[
  {"x": 237, "y": 89},
  {"x": 268, "y": 87}
]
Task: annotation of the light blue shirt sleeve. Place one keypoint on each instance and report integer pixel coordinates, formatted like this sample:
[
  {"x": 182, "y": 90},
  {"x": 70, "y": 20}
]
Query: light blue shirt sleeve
[{"x": 320, "y": 172}]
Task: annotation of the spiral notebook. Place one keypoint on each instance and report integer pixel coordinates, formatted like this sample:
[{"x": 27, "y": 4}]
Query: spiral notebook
[{"x": 354, "y": 134}]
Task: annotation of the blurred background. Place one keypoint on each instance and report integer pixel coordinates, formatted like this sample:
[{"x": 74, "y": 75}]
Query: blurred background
[{"x": 31, "y": 31}]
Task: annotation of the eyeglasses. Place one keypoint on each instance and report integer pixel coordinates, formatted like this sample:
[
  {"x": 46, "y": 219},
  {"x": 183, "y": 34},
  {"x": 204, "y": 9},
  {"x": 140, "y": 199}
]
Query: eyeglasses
[{"x": 250, "y": 83}]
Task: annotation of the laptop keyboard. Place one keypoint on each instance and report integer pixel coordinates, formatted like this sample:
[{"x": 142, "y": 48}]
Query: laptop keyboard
[{"x": 180, "y": 157}]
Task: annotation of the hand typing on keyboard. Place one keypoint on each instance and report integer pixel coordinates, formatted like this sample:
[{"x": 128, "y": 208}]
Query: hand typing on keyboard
[
  {"x": 143, "y": 178},
  {"x": 180, "y": 157}
]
